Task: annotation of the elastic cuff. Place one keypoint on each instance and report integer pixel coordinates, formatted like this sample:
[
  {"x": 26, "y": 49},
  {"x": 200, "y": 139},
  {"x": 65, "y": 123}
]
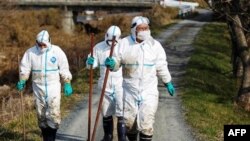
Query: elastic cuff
[
  {"x": 167, "y": 83},
  {"x": 23, "y": 77},
  {"x": 67, "y": 81}
]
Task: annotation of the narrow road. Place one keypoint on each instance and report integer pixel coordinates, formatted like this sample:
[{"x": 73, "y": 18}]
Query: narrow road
[
  {"x": 75, "y": 126},
  {"x": 169, "y": 124}
]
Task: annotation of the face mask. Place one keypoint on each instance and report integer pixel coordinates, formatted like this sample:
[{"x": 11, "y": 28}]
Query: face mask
[
  {"x": 42, "y": 50},
  {"x": 144, "y": 35}
]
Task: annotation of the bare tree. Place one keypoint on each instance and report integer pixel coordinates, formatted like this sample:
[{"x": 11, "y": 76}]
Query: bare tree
[{"x": 237, "y": 16}]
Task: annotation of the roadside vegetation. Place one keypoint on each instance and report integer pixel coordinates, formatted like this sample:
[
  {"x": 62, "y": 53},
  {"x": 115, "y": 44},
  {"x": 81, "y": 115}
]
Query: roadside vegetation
[
  {"x": 18, "y": 30},
  {"x": 210, "y": 87}
]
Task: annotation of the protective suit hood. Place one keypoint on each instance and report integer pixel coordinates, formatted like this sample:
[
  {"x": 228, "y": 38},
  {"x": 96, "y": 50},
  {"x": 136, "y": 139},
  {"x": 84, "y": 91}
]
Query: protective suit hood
[
  {"x": 43, "y": 37},
  {"x": 112, "y": 31},
  {"x": 137, "y": 21}
]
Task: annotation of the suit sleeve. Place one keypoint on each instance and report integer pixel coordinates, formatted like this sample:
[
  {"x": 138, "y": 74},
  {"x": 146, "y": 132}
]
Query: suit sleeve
[
  {"x": 64, "y": 66},
  {"x": 95, "y": 55},
  {"x": 25, "y": 66},
  {"x": 117, "y": 56},
  {"x": 162, "y": 64}
]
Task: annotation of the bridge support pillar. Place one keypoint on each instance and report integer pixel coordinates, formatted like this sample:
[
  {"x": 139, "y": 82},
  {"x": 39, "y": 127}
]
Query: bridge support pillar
[{"x": 68, "y": 22}]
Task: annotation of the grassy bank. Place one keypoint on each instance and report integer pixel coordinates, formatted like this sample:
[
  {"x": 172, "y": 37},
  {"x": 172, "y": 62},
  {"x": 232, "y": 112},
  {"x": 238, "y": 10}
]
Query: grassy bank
[{"x": 210, "y": 87}]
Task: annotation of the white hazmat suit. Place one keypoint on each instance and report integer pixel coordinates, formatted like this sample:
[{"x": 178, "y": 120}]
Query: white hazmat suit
[
  {"x": 112, "y": 102},
  {"x": 46, "y": 66},
  {"x": 141, "y": 63},
  {"x": 113, "y": 96}
]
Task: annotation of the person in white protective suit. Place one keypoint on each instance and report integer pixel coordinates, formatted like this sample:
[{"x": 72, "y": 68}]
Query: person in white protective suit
[
  {"x": 142, "y": 59},
  {"x": 46, "y": 63},
  {"x": 113, "y": 98}
]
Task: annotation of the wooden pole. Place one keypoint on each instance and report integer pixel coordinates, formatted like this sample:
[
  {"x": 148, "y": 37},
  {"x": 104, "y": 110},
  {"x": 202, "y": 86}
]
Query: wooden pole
[
  {"x": 23, "y": 119},
  {"x": 22, "y": 107},
  {"x": 103, "y": 92},
  {"x": 90, "y": 88}
]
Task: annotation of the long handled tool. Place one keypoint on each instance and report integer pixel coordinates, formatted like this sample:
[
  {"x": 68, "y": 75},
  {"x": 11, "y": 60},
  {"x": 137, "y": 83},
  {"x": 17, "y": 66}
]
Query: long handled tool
[
  {"x": 22, "y": 107},
  {"x": 103, "y": 91},
  {"x": 23, "y": 119},
  {"x": 90, "y": 88}
]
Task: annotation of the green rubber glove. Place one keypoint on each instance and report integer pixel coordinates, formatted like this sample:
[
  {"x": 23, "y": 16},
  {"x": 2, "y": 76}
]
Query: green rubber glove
[
  {"x": 170, "y": 88},
  {"x": 90, "y": 60},
  {"x": 20, "y": 85},
  {"x": 110, "y": 63},
  {"x": 67, "y": 89}
]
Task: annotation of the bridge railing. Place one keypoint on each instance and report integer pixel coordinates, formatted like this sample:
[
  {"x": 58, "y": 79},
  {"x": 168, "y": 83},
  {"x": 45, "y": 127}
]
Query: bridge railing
[{"x": 134, "y": 1}]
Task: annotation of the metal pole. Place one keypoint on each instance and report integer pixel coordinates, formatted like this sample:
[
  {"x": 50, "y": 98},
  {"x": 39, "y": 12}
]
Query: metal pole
[
  {"x": 90, "y": 87},
  {"x": 103, "y": 91}
]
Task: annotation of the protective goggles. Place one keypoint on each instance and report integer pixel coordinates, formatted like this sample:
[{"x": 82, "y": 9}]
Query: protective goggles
[
  {"x": 40, "y": 44},
  {"x": 109, "y": 42}
]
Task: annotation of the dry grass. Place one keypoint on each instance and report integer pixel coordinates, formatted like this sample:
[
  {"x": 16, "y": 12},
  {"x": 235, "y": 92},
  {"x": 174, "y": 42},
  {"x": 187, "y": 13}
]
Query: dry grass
[
  {"x": 20, "y": 27},
  {"x": 160, "y": 16},
  {"x": 122, "y": 21}
]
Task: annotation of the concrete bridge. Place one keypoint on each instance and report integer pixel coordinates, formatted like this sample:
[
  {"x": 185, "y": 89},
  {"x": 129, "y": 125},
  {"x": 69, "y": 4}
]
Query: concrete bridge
[
  {"x": 73, "y": 8},
  {"x": 79, "y": 5}
]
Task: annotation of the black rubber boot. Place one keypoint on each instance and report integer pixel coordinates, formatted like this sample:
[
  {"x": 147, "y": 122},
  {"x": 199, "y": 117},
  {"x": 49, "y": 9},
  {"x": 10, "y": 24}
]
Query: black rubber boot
[
  {"x": 52, "y": 134},
  {"x": 121, "y": 129},
  {"x": 144, "y": 137},
  {"x": 49, "y": 134},
  {"x": 45, "y": 133},
  {"x": 108, "y": 128},
  {"x": 133, "y": 132},
  {"x": 132, "y": 136}
]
